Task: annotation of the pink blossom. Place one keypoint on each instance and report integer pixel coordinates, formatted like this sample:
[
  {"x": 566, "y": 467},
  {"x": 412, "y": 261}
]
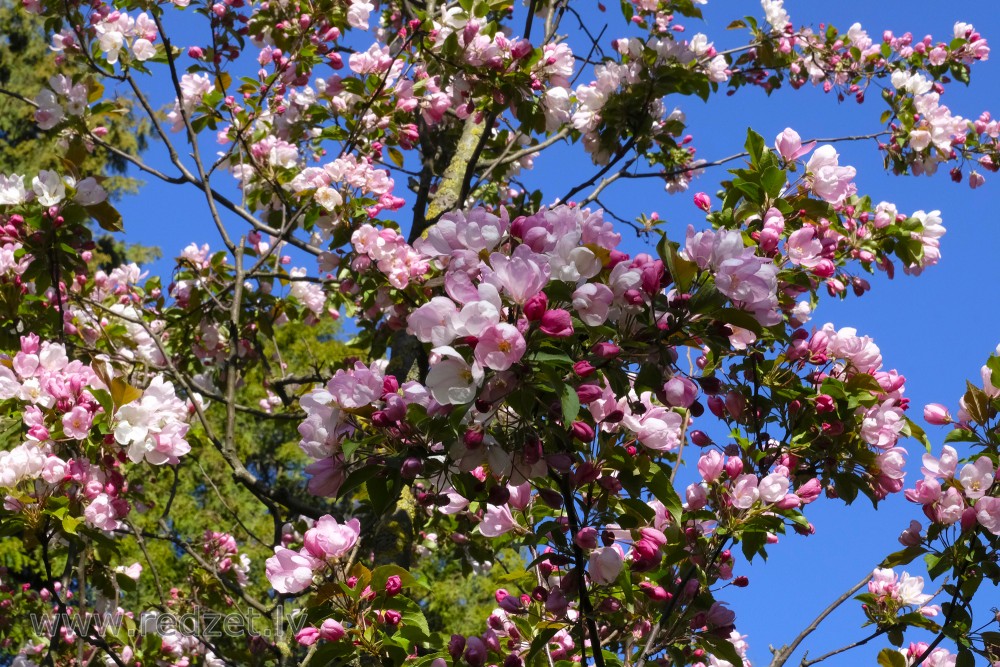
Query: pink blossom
[
  {"x": 606, "y": 563},
  {"x": 521, "y": 275},
  {"x": 434, "y": 322},
  {"x": 988, "y": 514},
  {"x": 101, "y": 513},
  {"x": 744, "y": 491},
  {"x": 773, "y": 487},
  {"x": 328, "y": 476},
  {"x": 830, "y": 181},
  {"x": 803, "y": 248},
  {"x": 307, "y": 636},
  {"x": 941, "y": 467},
  {"x": 911, "y": 537},
  {"x": 789, "y": 145},
  {"x": 925, "y": 492},
  {"x": 882, "y": 424},
  {"x": 290, "y": 571},
  {"x": 710, "y": 465},
  {"x": 328, "y": 539},
  {"x": 658, "y": 428},
  {"x": 331, "y": 630},
  {"x": 680, "y": 391},
  {"x": 695, "y": 497},
  {"x": 950, "y": 508},
  {"x": 500, "y": 347},
  {"x": 76, "y": 423},
  {"x": 977, "y": 478},
  {"x": 451, "y": 379},
  {"x": 592, "y": 302},
  {"x": 496, "y": 521}
]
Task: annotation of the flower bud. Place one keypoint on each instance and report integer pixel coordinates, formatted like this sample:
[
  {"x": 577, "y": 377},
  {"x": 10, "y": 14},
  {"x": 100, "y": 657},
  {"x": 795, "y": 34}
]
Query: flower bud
[
  {"x": 936, "y": 414},
  {"x": 535, "y": 307},
  {"x": 331, "y": 630}
]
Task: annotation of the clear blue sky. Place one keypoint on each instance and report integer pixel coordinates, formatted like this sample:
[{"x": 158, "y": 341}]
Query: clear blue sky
[{"x": 936, "y": 329}]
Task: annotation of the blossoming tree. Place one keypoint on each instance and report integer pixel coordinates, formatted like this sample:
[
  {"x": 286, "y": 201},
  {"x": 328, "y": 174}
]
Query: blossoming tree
[{"x": 519, "y": 392}]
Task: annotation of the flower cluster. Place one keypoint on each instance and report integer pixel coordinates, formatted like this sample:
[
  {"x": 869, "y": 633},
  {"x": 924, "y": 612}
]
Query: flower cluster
[{"x": 326, "y": 541}]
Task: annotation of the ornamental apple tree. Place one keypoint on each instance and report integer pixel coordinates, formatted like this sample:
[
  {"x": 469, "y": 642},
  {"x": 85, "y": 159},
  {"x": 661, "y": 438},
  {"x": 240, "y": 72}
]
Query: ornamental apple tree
[{"x": 527, "y": 371}]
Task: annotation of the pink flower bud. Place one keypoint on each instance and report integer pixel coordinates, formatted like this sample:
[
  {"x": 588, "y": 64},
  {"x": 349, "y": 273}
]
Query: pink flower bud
[
  {"x": 588, "y": 393},
  {"x": 936, "y": 414},
  {"x": 586, "y": 538},
  {"x": 557, "y": 323},
  {"x": 307, "y": 636},
  {"x": 733, "y": 467},
  {"x": 702, "y": 201},
  {"x": 606, "y": 350},
  {"x": 331, "y": 630},
  {"x": 809, "y": 491},
  {"x": 700, "y": 438},
  {"x": 582, "y": 431},
  {"x": 535, "y": 307},
  {"x": 393, "y": 585}
]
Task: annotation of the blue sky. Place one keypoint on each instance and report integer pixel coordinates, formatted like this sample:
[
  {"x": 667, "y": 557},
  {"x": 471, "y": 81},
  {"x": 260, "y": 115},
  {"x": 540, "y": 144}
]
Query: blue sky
[{"x": 937, "y": 329}]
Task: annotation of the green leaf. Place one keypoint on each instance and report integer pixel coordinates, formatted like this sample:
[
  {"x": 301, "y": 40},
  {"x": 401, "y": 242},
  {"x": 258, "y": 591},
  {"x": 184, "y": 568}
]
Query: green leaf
[
  {"x": 570, "y": 403},
  {"x": 69, "y": 524},
  {"x": 960, "y": 435},
  {"x": 396, "y": 156},
  {"x": 965, "y": 658},
  {"x": 383, "y": 490},
  {"x": 681, "y": 270},
  {"x": 913, "y": 430},
  {"x": 107, "y": 216},
  {"x": 903, "y": 556},
  {"x": 888, "y": 657},
  {"x": 773, "y": 180},
  {"x": 864, "y": 382},
  {"x": 977, "y": 403},
  {"x": 720, "y": 648},
  {"x": 539, "y": 642},
  {"x": 664, "y": 491},
  {"x": 739, "y": 318},
  {"x": 754, "y": 146},
  {"x": 552, "y": 358}
]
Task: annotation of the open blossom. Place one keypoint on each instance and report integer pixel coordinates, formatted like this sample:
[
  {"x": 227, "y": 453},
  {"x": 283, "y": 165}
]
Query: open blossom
[
  {"x": 290, "y": 571},
  {"x": 101, "y": 513},
  {"x": 904, "y": 589},
  {"x": 12, "y": 191},
  {"x": 745, "y": 491},
  {"x": 451, "y": 379},
  {"x": 434, "y": 322},
  {"x": 658, "y": 428},
  {"x": 860, "y": 351},
  {"x": 977, "y": 478},
  {"x": 829, "y": 180},
  {"x": 749, "y": 281},
  {"x": 521, "y": 275},
  {"x": 328, "y": 539},
  {"x": 48, "y": 187},
  {"x": 803, "y": 248},
  {"x": 153, "y": 426},
  {"x": 500, "y": 347},
  {"x": 606, "y": 563},
  {"x": 988, "y": 514},
  {"x": 496, "y": 521},
  {"x": 773, "y": 487},
  {"x": 882, "y": 425}
]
